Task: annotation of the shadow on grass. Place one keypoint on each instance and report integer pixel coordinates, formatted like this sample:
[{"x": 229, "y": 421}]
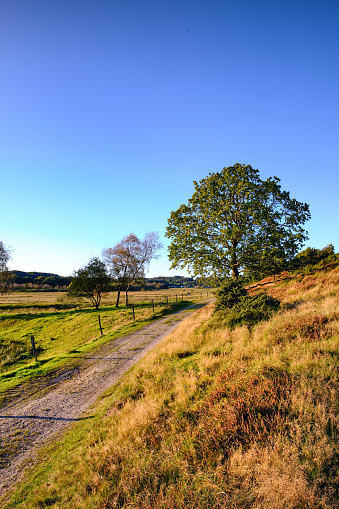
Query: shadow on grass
[
  {"x": 37, "y": 369},
  {"x": 99, "y": 358},
  {"x": 61, "y": 312},
  {"x": 30, "y": 367},
  {"x": 45, "y": 418}
]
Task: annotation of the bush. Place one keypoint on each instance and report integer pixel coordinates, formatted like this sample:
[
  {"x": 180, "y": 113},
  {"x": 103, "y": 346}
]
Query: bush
[
  {"x": 235, "y": 306},
  {"x": 230, "y": 294},
  {"x": 252, "y": 309},
  {"x": 311, "y": 259}
]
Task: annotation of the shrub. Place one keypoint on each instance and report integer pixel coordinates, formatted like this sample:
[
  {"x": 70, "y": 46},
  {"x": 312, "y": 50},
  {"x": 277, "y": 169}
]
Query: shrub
[
  {"x": 230, "y": 294},
  {"x": 235, "y": 306},
  {"x": 311, "y": 259}
]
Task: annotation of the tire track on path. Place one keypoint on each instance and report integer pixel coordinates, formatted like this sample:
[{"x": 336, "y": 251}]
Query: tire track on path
[{"x": 30, "y": 417}]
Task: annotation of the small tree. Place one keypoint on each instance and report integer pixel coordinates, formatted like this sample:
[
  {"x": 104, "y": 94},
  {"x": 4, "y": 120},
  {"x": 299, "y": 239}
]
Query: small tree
[
  {"x": 90, "y": 282},
  {"x": 128, "y": 261},
  {"x": 5, "y": 276}
]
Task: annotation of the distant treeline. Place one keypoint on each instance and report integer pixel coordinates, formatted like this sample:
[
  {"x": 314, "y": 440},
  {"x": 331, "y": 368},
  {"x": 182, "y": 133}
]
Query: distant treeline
[
  {"x": 43, "y": 280},
  {"x": 308, "y": 260},
  {"x": 46, "y": 281}
]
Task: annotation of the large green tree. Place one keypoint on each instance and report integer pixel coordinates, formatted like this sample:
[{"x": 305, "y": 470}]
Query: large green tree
[{"x": 235, "y": 223}]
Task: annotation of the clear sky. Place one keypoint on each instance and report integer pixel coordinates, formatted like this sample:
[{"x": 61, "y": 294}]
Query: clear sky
[{"x": 110, "y": 109}]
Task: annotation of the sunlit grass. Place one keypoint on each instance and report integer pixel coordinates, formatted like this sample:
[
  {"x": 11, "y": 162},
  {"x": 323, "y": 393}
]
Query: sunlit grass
[
  {"x": 214, "y": 418},
  {"x": 62, "y": 334},
  {"x": 50, "y": 298}
]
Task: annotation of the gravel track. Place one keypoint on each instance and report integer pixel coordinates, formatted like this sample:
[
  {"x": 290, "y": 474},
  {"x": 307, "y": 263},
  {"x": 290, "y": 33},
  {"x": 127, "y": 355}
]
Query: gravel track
[{"x": 32, "y": 414}]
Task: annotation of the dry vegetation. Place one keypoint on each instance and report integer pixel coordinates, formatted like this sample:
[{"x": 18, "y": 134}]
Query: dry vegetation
[
  {"x": 108, "y": 299},
  {"x": 214, "y": 418}
]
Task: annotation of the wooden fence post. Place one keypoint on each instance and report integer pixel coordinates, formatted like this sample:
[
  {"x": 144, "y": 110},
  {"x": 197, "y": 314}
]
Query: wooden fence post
[
  {"x": 167, "y": 299},
  {"x": 100, "y": 325},
  {"x": 33, "y": 348},
  {"x": 153, "y": 305},
  {"x": 133, "y": 313}
]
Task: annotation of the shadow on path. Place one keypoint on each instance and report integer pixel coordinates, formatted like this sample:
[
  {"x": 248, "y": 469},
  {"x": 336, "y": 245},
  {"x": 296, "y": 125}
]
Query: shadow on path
[{"x": 44, "y": 418}]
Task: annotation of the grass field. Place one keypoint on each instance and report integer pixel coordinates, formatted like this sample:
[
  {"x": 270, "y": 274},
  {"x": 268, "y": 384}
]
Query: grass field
[
  {"x": 50, "y": 298},
  {"x": 63, "y": 328},
  {"x": 213, "y": 418}
]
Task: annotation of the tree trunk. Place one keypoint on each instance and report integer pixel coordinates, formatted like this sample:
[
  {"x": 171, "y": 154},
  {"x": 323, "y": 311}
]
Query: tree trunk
[
  {"x": 118, "y": 298},
  {"x": 234, "y": 261},
  {"x": 127, "y": 288},
  {"x": 235, "y": 272}
]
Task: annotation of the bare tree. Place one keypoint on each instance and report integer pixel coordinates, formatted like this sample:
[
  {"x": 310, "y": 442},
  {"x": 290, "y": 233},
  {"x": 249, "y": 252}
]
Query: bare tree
[
  {"x": 5, "y": 255},
  {"x": 128, "y": 261}
]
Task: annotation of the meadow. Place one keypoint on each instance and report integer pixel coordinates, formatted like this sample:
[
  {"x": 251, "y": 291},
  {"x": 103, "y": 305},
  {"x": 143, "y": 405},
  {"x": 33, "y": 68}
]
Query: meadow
[
  {"x": 64, "y": 328},
  {"x": 213, "y": 418}
]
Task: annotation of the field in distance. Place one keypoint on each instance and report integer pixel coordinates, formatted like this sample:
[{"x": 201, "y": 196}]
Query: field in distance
[{"x": 38, "y": 297}]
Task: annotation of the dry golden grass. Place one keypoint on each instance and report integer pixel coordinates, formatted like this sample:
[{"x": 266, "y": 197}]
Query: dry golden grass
[
  {"x": 108, "y": 298},
  {"x": 214, "y": 418}
]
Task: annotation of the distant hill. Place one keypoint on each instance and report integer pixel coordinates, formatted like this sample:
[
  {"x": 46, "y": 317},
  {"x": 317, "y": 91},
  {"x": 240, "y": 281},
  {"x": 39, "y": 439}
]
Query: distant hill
[
  {"x": 171, "y": 281},
  {"x": 45, "y": 280},
  {"x": 21, "y": 273},
  {"x": 20, "y": 277}
]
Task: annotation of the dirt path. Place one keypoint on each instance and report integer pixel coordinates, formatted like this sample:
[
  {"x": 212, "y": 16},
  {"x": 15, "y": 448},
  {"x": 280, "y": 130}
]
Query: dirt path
[{"x": 30, "y": 415}]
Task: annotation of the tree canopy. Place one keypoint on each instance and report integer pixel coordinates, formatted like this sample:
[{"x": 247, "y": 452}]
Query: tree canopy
[
  {"x": 128, "y": 261},
  {"x": 91, "y": 282},
  {"x": 235, "y": 223},
  {"x": 312, "y": 258}
]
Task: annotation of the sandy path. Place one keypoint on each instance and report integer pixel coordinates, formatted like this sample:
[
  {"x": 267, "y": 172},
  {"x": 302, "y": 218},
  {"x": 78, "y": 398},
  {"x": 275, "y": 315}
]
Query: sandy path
[{"x": 34, "y": 413}]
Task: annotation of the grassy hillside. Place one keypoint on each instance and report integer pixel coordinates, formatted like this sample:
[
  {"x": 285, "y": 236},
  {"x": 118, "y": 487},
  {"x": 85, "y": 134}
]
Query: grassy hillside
[{"x": 214, "y": 418}]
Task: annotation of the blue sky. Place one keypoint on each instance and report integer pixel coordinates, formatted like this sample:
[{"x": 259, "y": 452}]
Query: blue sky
[{"x": 110, "y": 109}]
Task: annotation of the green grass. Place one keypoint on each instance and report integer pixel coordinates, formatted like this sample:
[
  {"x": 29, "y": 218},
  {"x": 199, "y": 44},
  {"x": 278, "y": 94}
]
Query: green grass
[
  {"x": 212, "y": 418},
  {"x": 61, "y": 335}
]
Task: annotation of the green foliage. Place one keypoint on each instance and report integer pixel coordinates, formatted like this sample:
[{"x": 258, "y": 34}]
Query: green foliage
[
  {"x": 251, "y": 310},
  {"x": 230, "y": 294},
  {"x": 235, "y": 306},
  {"x": 91, "y": 282},
  {"x": 235, "y": 223},
  {"x": 36, "y": 280},
  {"x": 312, "y": 258}
]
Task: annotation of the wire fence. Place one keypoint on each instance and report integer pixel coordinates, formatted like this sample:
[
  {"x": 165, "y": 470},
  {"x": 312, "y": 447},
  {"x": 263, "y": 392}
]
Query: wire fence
[{"x": 140, "y": 308}]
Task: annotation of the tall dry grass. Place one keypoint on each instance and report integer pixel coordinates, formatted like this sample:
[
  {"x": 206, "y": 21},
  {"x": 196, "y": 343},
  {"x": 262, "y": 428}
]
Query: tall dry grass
[{"x": 215, "y": 418}]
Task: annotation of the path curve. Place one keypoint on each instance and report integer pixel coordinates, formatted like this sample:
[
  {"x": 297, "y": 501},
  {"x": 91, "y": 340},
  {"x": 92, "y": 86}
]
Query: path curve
[{"x": 46, "y": 406}]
